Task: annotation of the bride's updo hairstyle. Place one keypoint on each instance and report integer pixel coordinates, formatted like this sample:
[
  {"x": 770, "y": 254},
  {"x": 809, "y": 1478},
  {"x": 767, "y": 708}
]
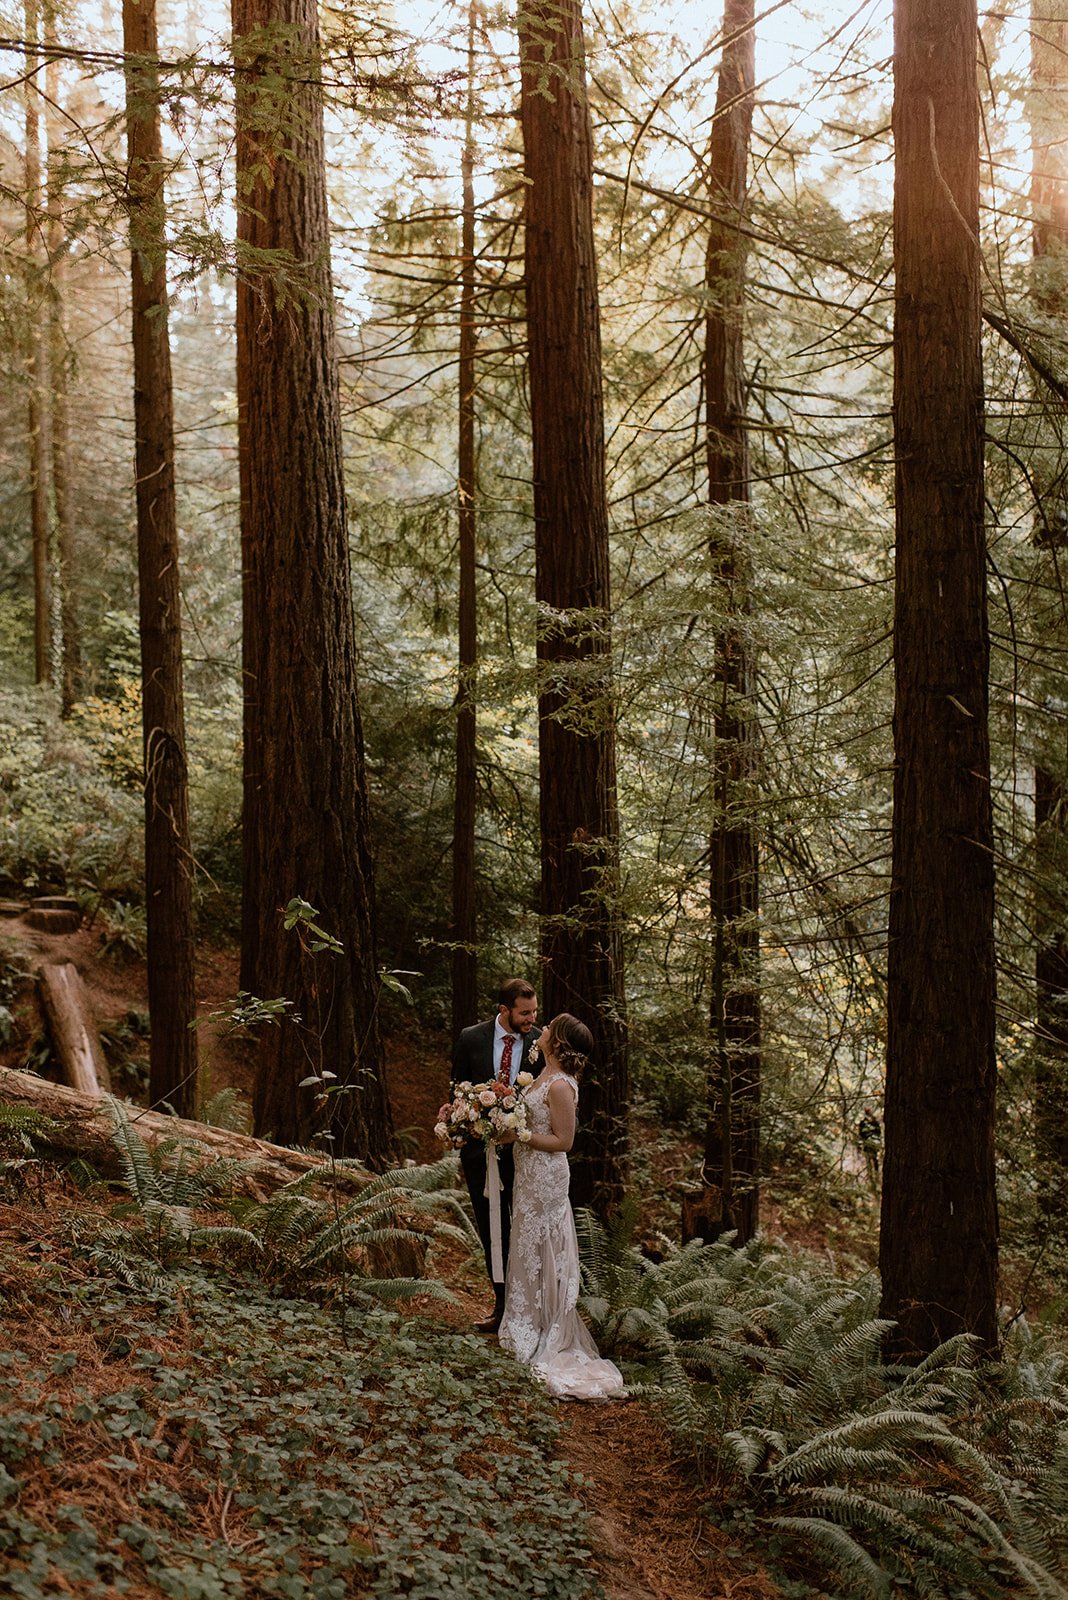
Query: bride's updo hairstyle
[{"x": 572, "y": 1042}]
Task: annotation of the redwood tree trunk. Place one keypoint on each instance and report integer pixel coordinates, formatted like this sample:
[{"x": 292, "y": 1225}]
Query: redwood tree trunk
[
  {"x": 938, "y": 1249},
  {"x": 732, "y": 1140},
  {"x": 70, "y": 671},
  {"x": 168, "y": 856},
  {"x": 464, "y": 923},
  {"x": 37, "y": 364},
  {"x": 306, "y": 824},
  {"x": 1048, "y": 105},
  {"x": 581, "y": 948}
]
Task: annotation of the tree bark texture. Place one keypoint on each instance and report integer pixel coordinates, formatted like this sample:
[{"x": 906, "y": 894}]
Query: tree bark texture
[
  {"x": 464, "y": 920},
  {"x": 1048, "y": 106},
  {"x": 251, "y": 635},
  {"x": 306, "y": 824},
  {"x": 732, "y": 1140},
  {"x": 168, "y": 855},
  {"x": 581, "y": 949},
  {"x": 37, "y": 360},
  {"x": 938, "y": 1249},
  {"x": 70, "y": 653}
]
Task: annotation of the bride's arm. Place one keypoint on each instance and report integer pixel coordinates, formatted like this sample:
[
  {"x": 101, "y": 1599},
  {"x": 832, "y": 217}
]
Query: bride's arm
[{"x": 561, "y": 1118}]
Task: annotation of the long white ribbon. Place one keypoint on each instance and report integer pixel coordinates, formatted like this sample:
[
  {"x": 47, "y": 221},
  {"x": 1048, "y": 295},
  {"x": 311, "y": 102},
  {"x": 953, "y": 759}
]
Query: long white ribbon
[{"x": 493, "y": 1192}]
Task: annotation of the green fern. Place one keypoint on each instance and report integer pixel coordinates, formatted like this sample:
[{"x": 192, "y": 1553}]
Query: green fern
[
  {"x": 885, "y": 1478},
  {"x": 304, "y": 1228},
  {"x": 169, "y": 1184},
  {"x": 226, "y": 1108},
  {"x": 22, "y": 1131}
]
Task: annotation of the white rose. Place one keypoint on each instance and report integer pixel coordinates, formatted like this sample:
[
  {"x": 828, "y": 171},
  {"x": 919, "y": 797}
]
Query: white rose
[
  {"x": 440, "y": 1131},
  {"x": 523, "y": 1079},
  {"x": 507, "y": 1120},
  {"x": 523, "y": 1135},
  {"x": 487, "y": 1098}
]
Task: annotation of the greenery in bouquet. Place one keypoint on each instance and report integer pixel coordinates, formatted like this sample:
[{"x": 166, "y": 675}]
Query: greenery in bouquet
[{"x": 486, "y": 1111}]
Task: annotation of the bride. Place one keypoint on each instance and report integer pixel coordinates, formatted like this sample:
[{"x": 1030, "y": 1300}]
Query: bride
[{"x": 541, "y": 1325}]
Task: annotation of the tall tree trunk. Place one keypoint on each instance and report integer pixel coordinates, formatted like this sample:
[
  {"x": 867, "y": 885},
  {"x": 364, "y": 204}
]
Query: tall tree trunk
[
  {"x": 938, "y": 1250},
  {"x": 306, "y": 821},
  {"x": 70, "y": 658},
  {"x": 37, "y": 365},
  {"x": 1048, "y": 106},
  {"x": 464, "y": 924},
  {"x": 581, "y": 946},
  {"x": 251, "y": 633},
  {"x": 732, "y": 1138},
  {"x": 168, "y": 856}
]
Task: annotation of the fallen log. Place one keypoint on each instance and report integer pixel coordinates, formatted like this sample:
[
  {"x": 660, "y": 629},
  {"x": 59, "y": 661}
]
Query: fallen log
[
  {"x": 73, "y": 1030},
  {"x": 82, "y": 1125}
]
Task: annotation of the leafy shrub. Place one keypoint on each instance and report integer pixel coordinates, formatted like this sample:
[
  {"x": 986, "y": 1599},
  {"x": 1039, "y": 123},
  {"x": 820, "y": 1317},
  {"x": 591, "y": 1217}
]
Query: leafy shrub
[
  {"x": 125, "y": 931},
  {"x": 71, "y": 807},
  {"x": 62, "y": 821}
]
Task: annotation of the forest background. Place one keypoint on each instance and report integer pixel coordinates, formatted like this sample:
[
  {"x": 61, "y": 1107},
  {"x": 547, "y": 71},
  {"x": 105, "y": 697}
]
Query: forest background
[
  {"x": 638, "y": 566},
  {"x": 407, "y": 93}
]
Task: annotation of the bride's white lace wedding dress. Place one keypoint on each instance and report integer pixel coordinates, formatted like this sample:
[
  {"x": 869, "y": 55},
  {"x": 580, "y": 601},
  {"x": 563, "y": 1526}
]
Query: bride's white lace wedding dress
[{"x": 541, "y": 1324}]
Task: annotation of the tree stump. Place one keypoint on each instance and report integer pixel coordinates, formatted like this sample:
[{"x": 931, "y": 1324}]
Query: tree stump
[
  {"x": 73, "y": 1030},
  {"x": 11, "y": 908},
  {"x": 48, "y": 920},
  {"x": 56, "y": 902}
]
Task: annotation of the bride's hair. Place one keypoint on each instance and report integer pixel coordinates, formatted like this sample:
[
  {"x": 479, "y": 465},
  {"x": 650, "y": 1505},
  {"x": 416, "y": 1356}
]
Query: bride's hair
[{"x": 572, "y": 1042}]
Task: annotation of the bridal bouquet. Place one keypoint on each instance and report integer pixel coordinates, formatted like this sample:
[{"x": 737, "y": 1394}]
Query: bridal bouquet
[{"x": 485, "y": 1111}]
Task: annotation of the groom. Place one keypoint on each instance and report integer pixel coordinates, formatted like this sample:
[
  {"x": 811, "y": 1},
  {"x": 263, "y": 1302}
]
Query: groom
[{"x": 495, "y": 1049}]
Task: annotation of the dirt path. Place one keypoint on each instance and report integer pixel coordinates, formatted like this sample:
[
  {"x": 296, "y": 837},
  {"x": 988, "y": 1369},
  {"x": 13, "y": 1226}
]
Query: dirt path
[{"x": 652, "y": 1541}]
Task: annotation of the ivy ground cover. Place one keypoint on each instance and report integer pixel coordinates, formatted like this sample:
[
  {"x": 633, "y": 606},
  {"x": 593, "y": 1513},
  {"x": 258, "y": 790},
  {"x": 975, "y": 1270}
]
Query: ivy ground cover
[{"x": 201, "y": 1439}]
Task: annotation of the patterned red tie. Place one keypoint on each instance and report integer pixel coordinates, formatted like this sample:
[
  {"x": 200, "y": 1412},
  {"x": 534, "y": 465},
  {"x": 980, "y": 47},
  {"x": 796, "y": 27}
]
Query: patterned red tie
[{"x": 505, "y": 1074}]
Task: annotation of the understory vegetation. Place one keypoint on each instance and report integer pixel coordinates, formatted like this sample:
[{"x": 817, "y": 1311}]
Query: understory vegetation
[
  {"x": 946, "y": 1478},
  {"x": 228, "y": 1372},
  {"x": 209, "y": 1432},
  {"x": 595, "y": 629}
]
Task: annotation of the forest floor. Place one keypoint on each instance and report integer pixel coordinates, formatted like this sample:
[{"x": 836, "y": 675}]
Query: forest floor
[{"x": 651, "y": 1537}]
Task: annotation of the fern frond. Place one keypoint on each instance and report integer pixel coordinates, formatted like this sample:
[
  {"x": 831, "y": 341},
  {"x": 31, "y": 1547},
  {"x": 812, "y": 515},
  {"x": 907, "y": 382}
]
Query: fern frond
[
  {"x": 1033, "y": 1572},
  {"x": 138, "y": 1174},
  {"x": 849, "y": 1558},
  {"x": 388, "y": 1289}
]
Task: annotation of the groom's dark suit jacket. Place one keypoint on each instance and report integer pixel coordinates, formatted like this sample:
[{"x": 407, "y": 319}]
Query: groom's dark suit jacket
[{"x": 472, "y": 1059}]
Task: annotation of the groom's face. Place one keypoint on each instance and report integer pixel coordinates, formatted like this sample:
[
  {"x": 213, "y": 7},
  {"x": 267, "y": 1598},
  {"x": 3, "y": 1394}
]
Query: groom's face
[{"x": 522, "y": 1016}]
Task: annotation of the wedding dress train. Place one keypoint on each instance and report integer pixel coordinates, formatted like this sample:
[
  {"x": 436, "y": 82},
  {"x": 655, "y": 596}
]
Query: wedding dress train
[{"x": 541, "y": 1324}]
